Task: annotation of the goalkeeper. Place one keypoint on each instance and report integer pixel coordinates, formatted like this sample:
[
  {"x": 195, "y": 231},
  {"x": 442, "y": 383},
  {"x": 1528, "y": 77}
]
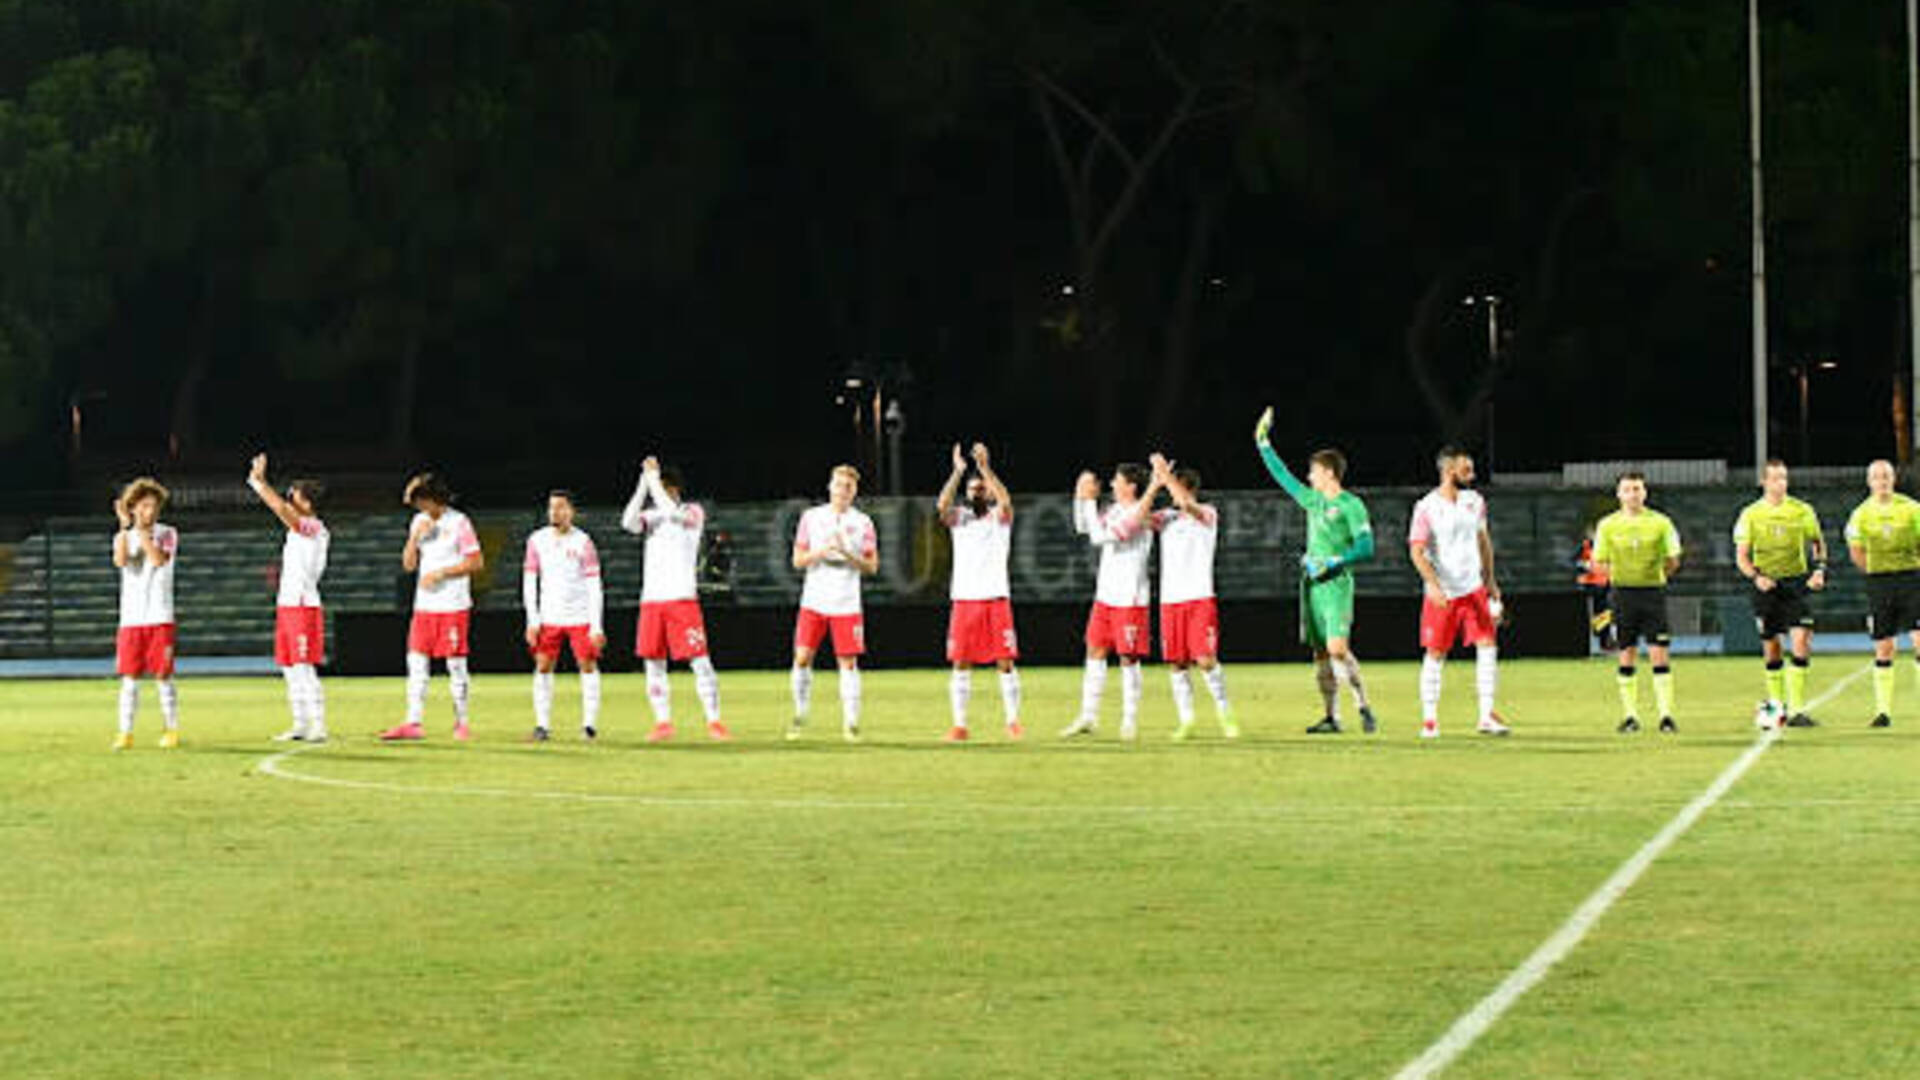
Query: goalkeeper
[{"x": 1338, "y": 535}]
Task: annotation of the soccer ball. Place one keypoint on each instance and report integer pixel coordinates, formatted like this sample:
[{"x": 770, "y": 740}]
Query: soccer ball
[{"x": 1768, "y": 715}]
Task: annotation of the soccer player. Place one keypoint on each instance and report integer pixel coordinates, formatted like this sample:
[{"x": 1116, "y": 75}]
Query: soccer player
[
  {"x": 836, "y": 546},
  {"x": 1118, "y": 623},
  {"x": 980, "y": 625},
  {"x": 1453, "y": 551},
  {"x": 1339, "y": 534},
  {"x": 1636, "y": 548},
  {"x": 1770, "y": 542},
  {"x": 671, "y": 623},
  {"x": 443, "y": 548},
  {"x": 299, "y": 624},
  {"x": 1189, "y": 616},
  {"x": 144, "y": 551},
  {"x": 561, "y": 591},
  {"x": 1883, "y": 540}
]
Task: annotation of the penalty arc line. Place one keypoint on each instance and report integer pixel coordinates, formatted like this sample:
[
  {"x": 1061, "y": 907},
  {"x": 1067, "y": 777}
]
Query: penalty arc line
[{"x": 1476, "y": 1021}]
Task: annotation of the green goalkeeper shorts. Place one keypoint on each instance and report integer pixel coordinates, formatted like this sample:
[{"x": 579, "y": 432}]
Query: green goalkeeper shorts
[{"x": 1326, "y": 610}]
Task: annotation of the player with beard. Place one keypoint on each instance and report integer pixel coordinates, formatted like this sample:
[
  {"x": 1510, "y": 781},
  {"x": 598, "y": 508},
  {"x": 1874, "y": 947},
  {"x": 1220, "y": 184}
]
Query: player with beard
[{"x": 980, "y": 627}]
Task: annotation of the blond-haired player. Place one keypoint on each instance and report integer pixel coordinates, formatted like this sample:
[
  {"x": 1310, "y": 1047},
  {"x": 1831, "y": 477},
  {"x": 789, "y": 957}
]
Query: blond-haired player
[
  {"x": 144, "y": 550},
  {"x": 835, "y": 545}
]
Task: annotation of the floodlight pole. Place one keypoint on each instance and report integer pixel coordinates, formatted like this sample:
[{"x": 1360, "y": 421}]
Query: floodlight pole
[
  {"x": 1759, "y": 257},
  {"x": 1913, "y": 221}
]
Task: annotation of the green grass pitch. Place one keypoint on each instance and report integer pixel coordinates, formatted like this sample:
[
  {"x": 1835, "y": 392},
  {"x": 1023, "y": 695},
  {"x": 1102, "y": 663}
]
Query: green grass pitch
[{"x": 1283, "y": 906}]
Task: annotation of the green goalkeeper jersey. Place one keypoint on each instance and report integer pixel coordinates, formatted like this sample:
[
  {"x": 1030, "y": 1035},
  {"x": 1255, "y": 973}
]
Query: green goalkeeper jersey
[
  {"x": 1887, "y": 533},
  {"x": 1636, "y": 547},
  {"x": 1777, "y": 535},
  {"x": 1334, "y": 525}
]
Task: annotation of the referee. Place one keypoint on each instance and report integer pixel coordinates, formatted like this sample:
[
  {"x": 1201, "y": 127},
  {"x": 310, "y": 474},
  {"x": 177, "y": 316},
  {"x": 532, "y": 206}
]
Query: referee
[
  {"x": 1883, "y": 540},
  {"x": 1771, "y": 541}
]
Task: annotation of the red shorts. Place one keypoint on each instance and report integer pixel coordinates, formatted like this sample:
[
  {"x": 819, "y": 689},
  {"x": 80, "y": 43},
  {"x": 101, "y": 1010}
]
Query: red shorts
[
  {"x": 981, "y": 632},
  {"x": 577, "y": 638},
  {"x": 671, "y": 628},
  {"x": 849, "y": 632},
  {"x": 1120, "y": 630},
  {"x": 438, "y": 634},
  {"x": 1465, "y": 619},
  {"x": 144, "y": 650},
  {"x": 1189, "y": 631},
  {"x": 299, "y": 636}
]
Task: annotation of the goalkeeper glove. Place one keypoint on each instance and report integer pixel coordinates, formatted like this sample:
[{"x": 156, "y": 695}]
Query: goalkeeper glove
[{"x": 1322, "y": 567}]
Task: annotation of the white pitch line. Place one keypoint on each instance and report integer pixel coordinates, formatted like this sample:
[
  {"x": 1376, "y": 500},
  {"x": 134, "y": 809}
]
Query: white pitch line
[
  {"x": 275, "y": 766},
  {"x": 1475, "y": 1021}
]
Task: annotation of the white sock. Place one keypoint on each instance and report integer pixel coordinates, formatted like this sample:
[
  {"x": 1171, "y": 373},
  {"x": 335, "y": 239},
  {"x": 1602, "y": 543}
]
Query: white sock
[
  {"x": 1486, "y": 677},
  {"x": 1329, "y": 686},
  {"x": 1348, "y": 672},
  {"x": 461, "y": 683},
  {"x": 1182, "y": 694},
  {"x": 316, "y": 697},
  {"x": 169, "y": 704},
  {"x": 960, "y": 693},
  {"x": 1131, "y": 683},
  {"x": 1010, "y": 695},
  {"x": 590, "y": 698},
  {"x": 1092, "y": 684},
  {"x": 129, "y": 703},
  {"x": 850, "y": 698},
  {"x": 706, "y": 682},
  {"x": 1430, "y": 687},
  {"x": 543, "y": 699},
  {"x": 1216, "y": 680},
  {"x": 659, "y": 694},
  {"x": 802, "y": 690},
  {"x": 296, "y": 696},
  {"x": 418, "y": 667}
]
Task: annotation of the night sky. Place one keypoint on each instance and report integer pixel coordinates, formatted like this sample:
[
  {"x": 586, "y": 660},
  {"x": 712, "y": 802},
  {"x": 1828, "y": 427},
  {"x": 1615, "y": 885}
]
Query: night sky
[{"x": 531, "y": 242}]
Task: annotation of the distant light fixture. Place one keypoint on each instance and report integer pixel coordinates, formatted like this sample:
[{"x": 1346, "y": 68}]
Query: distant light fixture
[
  {"x": 1218, "y": 282},
  {"x": 853, "y": 382},
  {"x": 1828, "y": 365},
  {"x": 1066, "y": 290}
]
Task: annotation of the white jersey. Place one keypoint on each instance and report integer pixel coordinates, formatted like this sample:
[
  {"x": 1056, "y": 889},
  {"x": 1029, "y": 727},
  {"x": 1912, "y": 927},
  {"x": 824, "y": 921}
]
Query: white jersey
[
  {"x": 1451, "y": 530},
  {"x": 981, "y": 543},
  {"x": 303, "y": 559},
  {"x": 672, "y": 529},
  {"x": 833, "y": 585},
  {"x": 1186, "y": 553},
  {"x": 1125, "y": 542},
  {"x": 146, "y": 590},
  {"x": 451, "y": 542},
  {"x": 560, "y": 581}
]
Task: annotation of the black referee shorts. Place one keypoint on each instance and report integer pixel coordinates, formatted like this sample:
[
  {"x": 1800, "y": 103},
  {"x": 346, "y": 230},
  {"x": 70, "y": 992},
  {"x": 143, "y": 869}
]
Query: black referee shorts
[
  {"x": 1783, "y": 608},
  {"x": 1893, "y": 604},
  {"x": 1640, "y": 614}
]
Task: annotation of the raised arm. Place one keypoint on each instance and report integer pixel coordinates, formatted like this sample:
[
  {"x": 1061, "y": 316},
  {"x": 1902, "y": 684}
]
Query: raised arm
[
  {"x": 631, "y": 518},
  {"x": 121, "y": 556},
  {"x": 1276, "y": 467},
  {"x": 984, "y": 462},
  {"x": 948, "y": 490},
  {"x": 1181, "y": 494},
  {"x": 282, "y": 509},
  {"x": 416, "y": 532}
]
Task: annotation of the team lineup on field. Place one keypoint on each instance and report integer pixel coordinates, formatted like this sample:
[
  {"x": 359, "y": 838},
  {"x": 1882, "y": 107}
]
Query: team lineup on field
[{"x": 1777, "y": 540}]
